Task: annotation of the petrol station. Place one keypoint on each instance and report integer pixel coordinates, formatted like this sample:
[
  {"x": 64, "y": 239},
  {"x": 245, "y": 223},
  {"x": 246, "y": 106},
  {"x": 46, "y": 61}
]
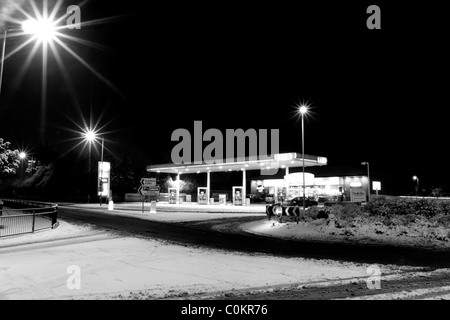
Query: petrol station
[{"x": 268, "y": 166}]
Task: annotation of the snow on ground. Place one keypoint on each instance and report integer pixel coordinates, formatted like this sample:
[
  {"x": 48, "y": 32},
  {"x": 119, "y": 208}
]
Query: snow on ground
[
  {"x": 418, "y": 235},
  {"x": 116, "y": 266},
  {"x": 65, "y": 230},
  {"x": 113, "y": 266}
]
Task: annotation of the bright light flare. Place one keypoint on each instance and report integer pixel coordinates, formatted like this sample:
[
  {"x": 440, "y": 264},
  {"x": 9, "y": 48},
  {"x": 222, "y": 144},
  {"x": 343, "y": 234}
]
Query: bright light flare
[
  {"x": 415, "y": 178},
  {"x": 303, "y": 109},
  {"x": 22, "y": 155},
  {"x": 43, "y": 29},
  {"x": 90, "y": 135}
]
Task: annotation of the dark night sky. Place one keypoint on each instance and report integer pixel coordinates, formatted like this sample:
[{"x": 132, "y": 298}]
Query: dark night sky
[{"x": 377, "y": 95}]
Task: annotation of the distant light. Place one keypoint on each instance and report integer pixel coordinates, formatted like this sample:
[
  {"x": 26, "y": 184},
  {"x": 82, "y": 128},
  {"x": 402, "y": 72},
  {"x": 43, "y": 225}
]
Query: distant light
[
  {"x": 246, "y": 165},
  {"x": 158, "y": 171},
  {"x": 303, "y": 110},
  {"x": 229, "y": 169},
  {"x": 268, "y": 167},
  {"x": 283, "y": 166},
  {"x": 22, "y": 155},
  {"x": 208, "y": 168},
  {"x": 187, "y": 169},
  {"x": 220, "y": 167},
  {"x": 356, "y": 184},
  {"x": 198, "y": 171},
  {"x": 292, "y": 161},
  {"x": 415, "y": 178},
  {"x": 261, "y": 164}
]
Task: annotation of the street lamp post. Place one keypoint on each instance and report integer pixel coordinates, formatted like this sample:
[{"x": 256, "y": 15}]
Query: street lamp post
[
  {"x": 2, "y": 66},
  {"x": 90, "y": 136},
  {"x": 101, "y": 173},
  {"x": 3, "y": 58},
  {"x": 303, "y": 110},
  {"x": 22, "y": 156},
  {"x": 368, "y": 179},
  {"x": 89, "y": 172},
  {"x": 415, "y": 178}
]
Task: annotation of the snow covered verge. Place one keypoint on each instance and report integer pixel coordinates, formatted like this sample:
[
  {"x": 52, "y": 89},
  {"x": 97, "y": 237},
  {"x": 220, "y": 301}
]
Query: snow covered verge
[
  {"x": 65, "y": 230},
  {"x": 362, "y": 229},
  {"x": 394, "y": 221}
]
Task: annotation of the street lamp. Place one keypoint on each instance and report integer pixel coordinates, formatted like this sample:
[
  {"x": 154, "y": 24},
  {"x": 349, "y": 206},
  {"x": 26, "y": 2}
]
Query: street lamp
[
  {"x": 22, "y": 157},
  {"x": 368, "y": 179},
  {"x": 415, "y": 178},
  {"x": 43, "y": 30},
  {"x": 303, "y": 110},
  {"x": 101, "y": 174},
  {"x": 89, "y": 136}
]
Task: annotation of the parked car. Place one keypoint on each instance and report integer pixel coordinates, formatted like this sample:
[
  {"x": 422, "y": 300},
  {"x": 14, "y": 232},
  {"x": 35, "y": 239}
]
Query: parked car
[{"x": 298, "y": 201}]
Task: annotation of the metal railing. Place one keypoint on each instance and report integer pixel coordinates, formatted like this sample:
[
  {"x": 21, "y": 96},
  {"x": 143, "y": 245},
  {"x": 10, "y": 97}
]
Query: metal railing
[{"x": 23, "y": 216}]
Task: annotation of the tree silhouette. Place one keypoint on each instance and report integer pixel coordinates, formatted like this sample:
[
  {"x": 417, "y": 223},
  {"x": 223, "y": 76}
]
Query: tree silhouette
[{"x": 9, "y": 159}]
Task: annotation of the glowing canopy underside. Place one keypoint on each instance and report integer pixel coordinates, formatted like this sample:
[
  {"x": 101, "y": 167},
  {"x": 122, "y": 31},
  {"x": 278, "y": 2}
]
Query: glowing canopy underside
[{"x": 269, "y": 163}]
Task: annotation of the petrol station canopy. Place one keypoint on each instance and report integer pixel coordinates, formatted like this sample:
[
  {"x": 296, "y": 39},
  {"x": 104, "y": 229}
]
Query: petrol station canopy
[{"x": 281, "y": 160}]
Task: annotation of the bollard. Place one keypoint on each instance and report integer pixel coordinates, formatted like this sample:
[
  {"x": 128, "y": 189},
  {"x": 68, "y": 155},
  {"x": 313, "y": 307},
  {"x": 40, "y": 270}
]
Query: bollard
[
  {"x": 110, "y": 205},
  {"x": 153, "y": 207}
]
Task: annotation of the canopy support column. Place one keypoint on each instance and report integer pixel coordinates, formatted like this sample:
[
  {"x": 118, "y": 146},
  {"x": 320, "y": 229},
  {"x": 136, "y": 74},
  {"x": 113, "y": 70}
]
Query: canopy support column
[
  {"x": 208, "y": 185},
  {"x": 178, "y": 187},
  {"x": 244, "y": 186}
]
